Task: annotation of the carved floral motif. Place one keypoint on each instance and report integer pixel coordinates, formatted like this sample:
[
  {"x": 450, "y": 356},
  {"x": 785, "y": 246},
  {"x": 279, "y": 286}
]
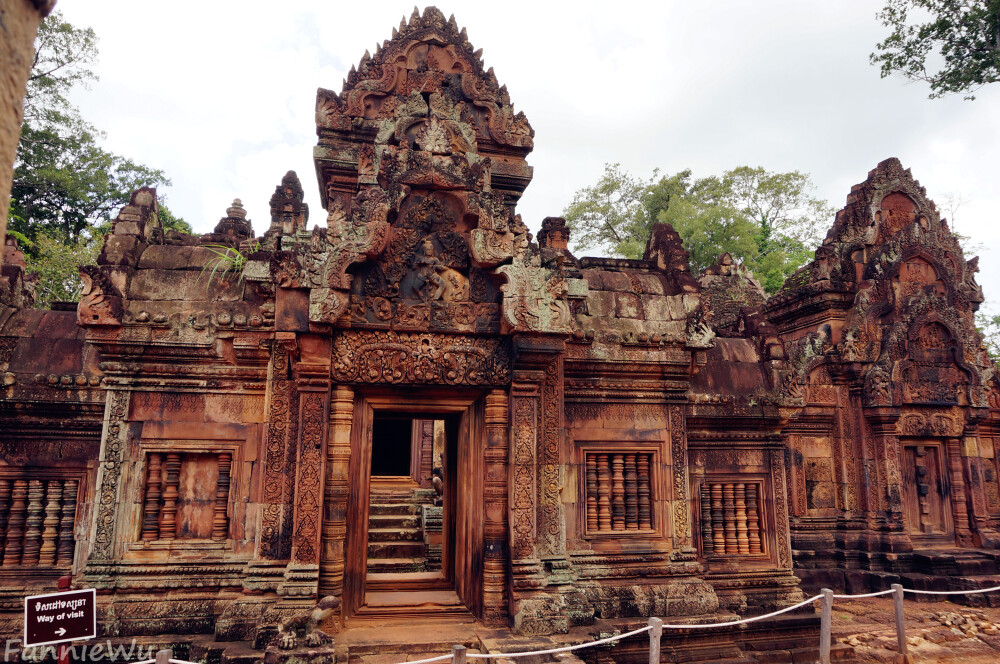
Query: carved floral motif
[{"x": 399, "y": 358}]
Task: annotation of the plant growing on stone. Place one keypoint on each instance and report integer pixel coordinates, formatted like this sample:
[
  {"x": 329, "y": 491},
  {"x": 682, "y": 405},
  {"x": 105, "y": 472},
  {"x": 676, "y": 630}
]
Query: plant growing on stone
[{"x": 227, "y": 260}]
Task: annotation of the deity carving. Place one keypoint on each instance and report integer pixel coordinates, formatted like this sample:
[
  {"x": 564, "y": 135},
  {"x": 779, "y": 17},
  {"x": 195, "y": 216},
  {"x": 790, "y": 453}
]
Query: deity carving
[{"x": 436, "y": 281}]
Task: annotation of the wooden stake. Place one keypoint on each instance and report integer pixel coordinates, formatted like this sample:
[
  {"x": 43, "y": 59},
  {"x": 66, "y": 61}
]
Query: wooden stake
[
  {"x": 826, "y": 625},
  {"x": 655, "y": 632}
]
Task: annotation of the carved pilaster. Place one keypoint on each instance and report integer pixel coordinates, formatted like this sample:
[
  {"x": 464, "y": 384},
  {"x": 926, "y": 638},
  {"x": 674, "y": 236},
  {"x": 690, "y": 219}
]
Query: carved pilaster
[
  {"x": 681, "y": 508},
  {"x": 960, "y": 510},
  {"x": 276, "y": 443},
  {"x": 495, "y": 526},
  {"x": 338, "y": 457},
  {"x": 537, "y": 521},
  {"x": 782, "y": 539},
  {"x": 109, "y": 478},
  {"x": 302, "y": 576},
  {"x": 551, "y": 520}
]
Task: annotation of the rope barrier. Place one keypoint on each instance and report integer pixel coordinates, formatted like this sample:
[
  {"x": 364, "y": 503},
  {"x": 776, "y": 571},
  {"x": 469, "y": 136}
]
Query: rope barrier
[
  {"x": 974, "y": 591},
  {"x": 552, "y": 651},
  {"x": 439, "y": 658},
  {"x": 647, "y": 628},
  {"x": 745, "y": 620},
  {"x": 881, "y": 592}
]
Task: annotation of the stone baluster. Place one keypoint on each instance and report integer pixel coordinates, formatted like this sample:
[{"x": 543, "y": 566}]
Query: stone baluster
[
  {"x": 645, "y": 508},
  {"x": 67, "y": 523},
  {"x": 220, "y": 521},
  {"x": 4, "y": 514},
  {"x": 151, "y": 507},
  {"x": 618, "y": 492},
  {"x": 729, "y": 507},
  {"x": 740, "y": 497},
  {"x": 753, "y": 520},
  {"x": 603, "y": 492},
  {"x": 631, "y": 493},
  {"x": 707, "y": 543},
  {"x": 15, "y": 528},
  {"x": 50, "y": 524},
  {"x": 171, "y": 480},
  {"x": 718, "y": 525},
  {"x": 33, "y": 524},
  {"x": 592, "y": 521}
]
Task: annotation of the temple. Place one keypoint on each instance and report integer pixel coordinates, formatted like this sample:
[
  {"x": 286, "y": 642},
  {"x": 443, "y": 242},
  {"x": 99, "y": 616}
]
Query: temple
[{"x": 417, "y": 409}]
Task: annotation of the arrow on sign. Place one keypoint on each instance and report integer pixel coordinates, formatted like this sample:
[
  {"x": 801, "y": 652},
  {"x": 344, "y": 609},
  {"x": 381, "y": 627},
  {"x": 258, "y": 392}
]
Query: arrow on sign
[{"x": 60, "y": 631}]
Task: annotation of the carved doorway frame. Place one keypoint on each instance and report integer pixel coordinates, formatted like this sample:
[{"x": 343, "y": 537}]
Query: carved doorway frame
[
  {"x": 934, "y": 450},
  {"x": 468, "y": 505}
]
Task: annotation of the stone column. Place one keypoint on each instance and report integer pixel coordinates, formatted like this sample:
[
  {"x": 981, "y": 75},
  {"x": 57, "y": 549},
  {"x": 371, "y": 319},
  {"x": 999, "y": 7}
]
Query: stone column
[
  {"x": 495, "y": 526},
  {"x": 338, "y": 457}
]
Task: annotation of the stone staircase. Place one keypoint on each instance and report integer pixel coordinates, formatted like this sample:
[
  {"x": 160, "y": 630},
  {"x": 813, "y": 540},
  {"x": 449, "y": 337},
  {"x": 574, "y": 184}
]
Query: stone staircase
[{"x": 395, "y": 532}]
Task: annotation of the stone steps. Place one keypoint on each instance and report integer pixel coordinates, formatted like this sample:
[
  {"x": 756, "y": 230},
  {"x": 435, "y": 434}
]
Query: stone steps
[
  {"x": 396, "y": 565},
  {"x": 396, "y": 550},
  {"x": 394, "y": 509},
  {"x": 394, "y": 521},
  {"x": 395, "y": 535}
]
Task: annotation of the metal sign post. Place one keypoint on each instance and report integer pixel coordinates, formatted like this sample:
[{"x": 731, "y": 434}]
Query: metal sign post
[{"x": 60, "y": 617}]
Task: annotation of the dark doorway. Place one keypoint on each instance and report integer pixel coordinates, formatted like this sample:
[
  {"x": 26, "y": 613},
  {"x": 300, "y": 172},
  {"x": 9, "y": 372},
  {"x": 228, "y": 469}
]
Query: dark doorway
[{"x": 392, "y": 446}]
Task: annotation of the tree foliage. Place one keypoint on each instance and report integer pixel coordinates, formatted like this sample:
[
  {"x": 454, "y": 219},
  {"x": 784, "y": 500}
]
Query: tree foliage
[
  {"x": 956, "y": 49},
  {"x": 66, "y": 187},
  {"x": 767, "y": 220},
  {"x": 65, "y": 183}
]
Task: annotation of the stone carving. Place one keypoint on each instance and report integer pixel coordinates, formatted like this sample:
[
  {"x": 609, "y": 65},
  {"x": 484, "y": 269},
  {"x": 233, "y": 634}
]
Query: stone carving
[
  {"x": 522, "y": 521},
  {"x": 437, "y": 281},
  {"x": 400, "y": 358},
  {"x": 537, "y": 299},
  {"x": 110, "y": 476},
  {"x": 306, "y": 626},
  {"x": 276, "y": 440},
  {"x": 679, "y": 463},
  {"x": 308, "y": 486},
  {"x": 100, "y": 301},
  {"x": 877, "y": 387}
]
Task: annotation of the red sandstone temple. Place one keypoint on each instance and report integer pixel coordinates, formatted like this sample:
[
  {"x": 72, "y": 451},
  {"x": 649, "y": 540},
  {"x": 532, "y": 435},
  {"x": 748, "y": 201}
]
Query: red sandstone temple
[{"x": 417, "y": 408}]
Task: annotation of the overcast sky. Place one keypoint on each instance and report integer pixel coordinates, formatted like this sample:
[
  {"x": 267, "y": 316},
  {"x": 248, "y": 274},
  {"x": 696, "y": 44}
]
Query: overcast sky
[{"x": 221, "y": 96}]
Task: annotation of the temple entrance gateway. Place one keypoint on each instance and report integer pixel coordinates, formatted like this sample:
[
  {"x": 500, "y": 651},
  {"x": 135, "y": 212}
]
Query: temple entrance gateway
[
  {"x": 926, "y": 493},
  {"x": 415, "y": 540}
]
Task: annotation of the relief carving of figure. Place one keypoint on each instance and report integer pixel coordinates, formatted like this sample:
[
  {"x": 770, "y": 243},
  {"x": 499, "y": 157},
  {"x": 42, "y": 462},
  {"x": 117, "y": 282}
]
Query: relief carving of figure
[{"x": 435, "y": 280}]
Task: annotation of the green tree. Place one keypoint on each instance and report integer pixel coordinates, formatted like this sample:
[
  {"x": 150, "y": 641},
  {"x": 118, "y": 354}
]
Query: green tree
[
  {"x": 960, "y": 37},
  {"x": 66, "y": 187},
  {"x": 611, "y": 215},
  {"x": 65, "y": 183},
  {"x": 769, "y": 221},
  {"x": 55, "y": 264}
]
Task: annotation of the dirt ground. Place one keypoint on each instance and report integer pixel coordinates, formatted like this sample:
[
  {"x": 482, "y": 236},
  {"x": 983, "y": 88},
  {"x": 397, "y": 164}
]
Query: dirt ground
[{"x": 936, "y": 631}]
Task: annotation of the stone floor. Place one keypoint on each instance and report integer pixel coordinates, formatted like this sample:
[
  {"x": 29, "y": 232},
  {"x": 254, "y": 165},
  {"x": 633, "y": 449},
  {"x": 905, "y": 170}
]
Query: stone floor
[{"x": 937, "y": 632}]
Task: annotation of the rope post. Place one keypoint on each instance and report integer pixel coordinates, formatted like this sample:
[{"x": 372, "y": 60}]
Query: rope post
[
  {"x": 458, "y": 654},
  {"x": 163, "y": 656},
  {"x": 655, "y": 632},
  {"x": 902, "y": 656},
  {"x": 825, "y": 625}
]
